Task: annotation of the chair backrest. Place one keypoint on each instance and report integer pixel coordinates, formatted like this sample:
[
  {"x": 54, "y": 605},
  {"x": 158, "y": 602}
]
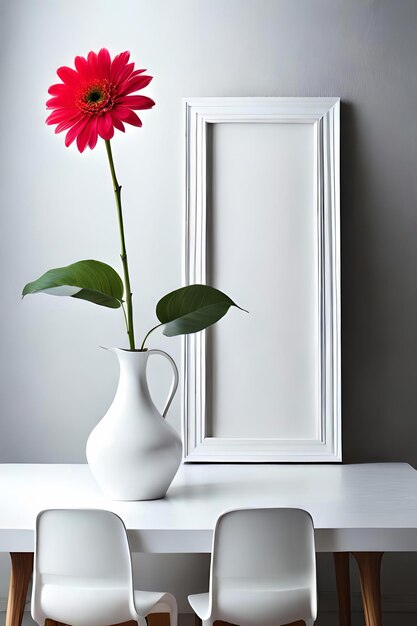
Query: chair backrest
[
  {"x": 262, "y": 550},
  {"x": 80, "y": 551}
]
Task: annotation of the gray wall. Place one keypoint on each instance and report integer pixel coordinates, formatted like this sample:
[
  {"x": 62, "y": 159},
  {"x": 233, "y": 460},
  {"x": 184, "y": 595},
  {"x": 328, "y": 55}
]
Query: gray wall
[{"x": 55, "y": 383}]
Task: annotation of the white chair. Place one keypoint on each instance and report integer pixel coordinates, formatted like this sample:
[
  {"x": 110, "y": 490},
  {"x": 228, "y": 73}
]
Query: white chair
[
  {"x": 263, "y": 569},
  {"x": 83, "y": 572}
]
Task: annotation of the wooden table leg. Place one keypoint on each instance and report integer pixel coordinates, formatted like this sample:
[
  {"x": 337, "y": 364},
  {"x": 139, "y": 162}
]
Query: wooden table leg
[
  {"x": 370, "y": 572},
  {"x": 22, "y": 567},
  {"x": 341, "y": 563}
]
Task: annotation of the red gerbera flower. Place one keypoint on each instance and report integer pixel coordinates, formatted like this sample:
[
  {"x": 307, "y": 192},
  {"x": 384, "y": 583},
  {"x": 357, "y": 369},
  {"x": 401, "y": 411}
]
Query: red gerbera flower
[{"x": 94, "y": 98}]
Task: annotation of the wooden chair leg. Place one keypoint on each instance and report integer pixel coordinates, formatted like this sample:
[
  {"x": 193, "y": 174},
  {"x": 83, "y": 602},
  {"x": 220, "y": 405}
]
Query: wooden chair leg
[
  {"x": 22, "y": 568},
  {"x": 158, "y": 619},
  {"x": 341, "y": 562},
  {"x": 370, "y": 574}
]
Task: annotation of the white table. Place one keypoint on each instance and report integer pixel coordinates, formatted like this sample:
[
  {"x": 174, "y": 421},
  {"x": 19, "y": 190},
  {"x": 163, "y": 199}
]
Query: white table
[{"x": 364, "y": 509}]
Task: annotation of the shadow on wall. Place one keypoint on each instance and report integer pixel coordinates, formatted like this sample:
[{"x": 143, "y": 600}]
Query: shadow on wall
[{"x": 379, "y": 296}]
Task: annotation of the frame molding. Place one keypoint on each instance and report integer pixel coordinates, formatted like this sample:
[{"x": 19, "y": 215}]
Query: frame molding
[{"x": 324, "y": 115}]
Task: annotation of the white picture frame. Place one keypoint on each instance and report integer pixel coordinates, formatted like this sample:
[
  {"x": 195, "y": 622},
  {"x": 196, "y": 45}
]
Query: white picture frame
[{"x": 302, "y": 135}]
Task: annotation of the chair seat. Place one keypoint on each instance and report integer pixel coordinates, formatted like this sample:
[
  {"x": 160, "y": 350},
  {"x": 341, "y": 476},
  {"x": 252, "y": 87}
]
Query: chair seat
[
  {"x": 152, "y": 602},
  {"x": 259, "y": 606},
  {"x": 107, "y": 604},
  {"x": 200, "y": 604},
  {"x": 68, "y": 604}
]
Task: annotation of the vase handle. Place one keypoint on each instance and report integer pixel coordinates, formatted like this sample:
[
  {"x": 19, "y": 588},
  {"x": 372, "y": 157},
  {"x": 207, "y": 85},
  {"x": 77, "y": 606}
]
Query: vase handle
[{"x": 175, "y": 379}]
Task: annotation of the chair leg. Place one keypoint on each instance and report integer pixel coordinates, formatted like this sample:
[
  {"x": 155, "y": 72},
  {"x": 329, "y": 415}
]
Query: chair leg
[
  {"x": 173, "y": 610},
  {"x": 157, "y": 619},
  {"x": 165, "y": 612},
  {"x": 166, "y": 618},
  {"x": 22, "y": 568}
]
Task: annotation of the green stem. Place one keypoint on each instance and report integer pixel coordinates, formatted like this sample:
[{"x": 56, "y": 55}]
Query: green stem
[
  {"x": 147, "y": 335},
  {"x": 124, "y": 314},
  {"x": 123, "y": 255}
]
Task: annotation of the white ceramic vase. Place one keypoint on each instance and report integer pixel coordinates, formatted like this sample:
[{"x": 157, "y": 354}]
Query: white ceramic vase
[{"x": 133, "y": 452}]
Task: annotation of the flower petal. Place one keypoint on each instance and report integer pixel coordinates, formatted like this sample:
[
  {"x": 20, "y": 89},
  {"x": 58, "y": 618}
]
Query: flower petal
[
  {"x": 134, "y": 84},
  {"x": 68, "y": 75},
  {"x": 60, "y": 101},
  {"x": 93, "y": 133},
  {"x": 73, "y": 132},
  {"x": 92, "y": 61},
  {"x": 83, "y": 68},
  {"x": 59, "y": 89},
  {"x": 116, "y": 122},
  {"x": 119, "y": 61},
  {"x": 124, "y": 74},
  {"x": 68, "y": 123},
  {"x": 127, "y": 115},
  {"x": 61, "y": 115},
  {"x": 105, "y": 126},
  {"x": 83, "y": 137},
  {"x": 137, "y": 72},
  {"x": 136, "y": 102},
  {"x": 104, "y": 63}
]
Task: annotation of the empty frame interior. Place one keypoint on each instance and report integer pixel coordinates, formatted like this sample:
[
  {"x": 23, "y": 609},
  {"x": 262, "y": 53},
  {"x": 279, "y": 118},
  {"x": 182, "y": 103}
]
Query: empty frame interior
[{"x": 262, "y": 251}]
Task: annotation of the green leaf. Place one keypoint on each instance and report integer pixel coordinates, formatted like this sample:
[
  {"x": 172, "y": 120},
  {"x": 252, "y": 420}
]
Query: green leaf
[
  {"x": 193, "y": 308},
  {"x": 89, "y": 280}
]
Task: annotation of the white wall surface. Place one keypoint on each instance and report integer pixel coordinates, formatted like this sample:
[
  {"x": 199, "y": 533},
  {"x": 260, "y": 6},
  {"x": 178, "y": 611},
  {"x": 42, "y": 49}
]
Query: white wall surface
[{"x": 57, "y": 207}]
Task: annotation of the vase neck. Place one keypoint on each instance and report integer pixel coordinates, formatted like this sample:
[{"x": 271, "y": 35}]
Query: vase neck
[{"x": 132, "y": 364}]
